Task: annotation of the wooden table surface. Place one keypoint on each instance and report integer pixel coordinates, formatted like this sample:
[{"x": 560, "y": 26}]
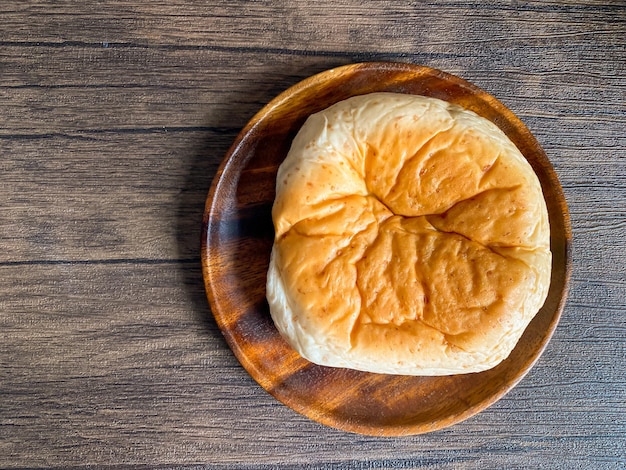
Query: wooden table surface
[{"x": 113, "y": 119}]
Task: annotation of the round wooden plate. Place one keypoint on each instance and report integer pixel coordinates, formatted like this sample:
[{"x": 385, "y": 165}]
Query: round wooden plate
[{"x": 238, "y": 236}]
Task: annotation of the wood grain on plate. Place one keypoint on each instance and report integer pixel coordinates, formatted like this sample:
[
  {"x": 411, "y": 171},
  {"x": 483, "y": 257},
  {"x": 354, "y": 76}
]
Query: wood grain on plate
[{"x": 238, "y": 237}]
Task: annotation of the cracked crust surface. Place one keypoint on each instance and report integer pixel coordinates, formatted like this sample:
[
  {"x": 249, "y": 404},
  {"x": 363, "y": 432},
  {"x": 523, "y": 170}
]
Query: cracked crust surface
[{"x": 411, "y": 238}]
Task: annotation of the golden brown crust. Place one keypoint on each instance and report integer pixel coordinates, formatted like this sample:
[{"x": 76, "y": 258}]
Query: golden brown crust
[{"x": 411, "y": 237}]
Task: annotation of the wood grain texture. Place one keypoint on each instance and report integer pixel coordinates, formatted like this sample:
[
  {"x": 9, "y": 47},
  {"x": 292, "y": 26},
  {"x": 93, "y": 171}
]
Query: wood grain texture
[{"x": 114, "y": 117}]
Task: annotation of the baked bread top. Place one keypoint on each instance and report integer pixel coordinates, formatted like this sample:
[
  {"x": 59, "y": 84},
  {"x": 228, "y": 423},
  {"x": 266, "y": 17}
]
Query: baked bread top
[{"x": 411, "y": 237}]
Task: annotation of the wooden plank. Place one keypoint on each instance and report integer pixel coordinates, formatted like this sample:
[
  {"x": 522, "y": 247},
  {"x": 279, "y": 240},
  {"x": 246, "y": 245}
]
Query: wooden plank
[
  {"x": 300, "y": 25},
  {"x": 107, "y": 196},
  {"x": 73, "y": 88}
]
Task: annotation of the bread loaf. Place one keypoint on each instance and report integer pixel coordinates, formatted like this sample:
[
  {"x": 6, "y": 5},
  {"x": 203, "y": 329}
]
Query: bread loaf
[{"x": 411, "y": 237}]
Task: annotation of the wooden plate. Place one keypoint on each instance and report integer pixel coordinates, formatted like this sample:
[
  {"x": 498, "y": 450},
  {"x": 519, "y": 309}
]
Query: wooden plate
[{"x": 238, "y": 236}]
